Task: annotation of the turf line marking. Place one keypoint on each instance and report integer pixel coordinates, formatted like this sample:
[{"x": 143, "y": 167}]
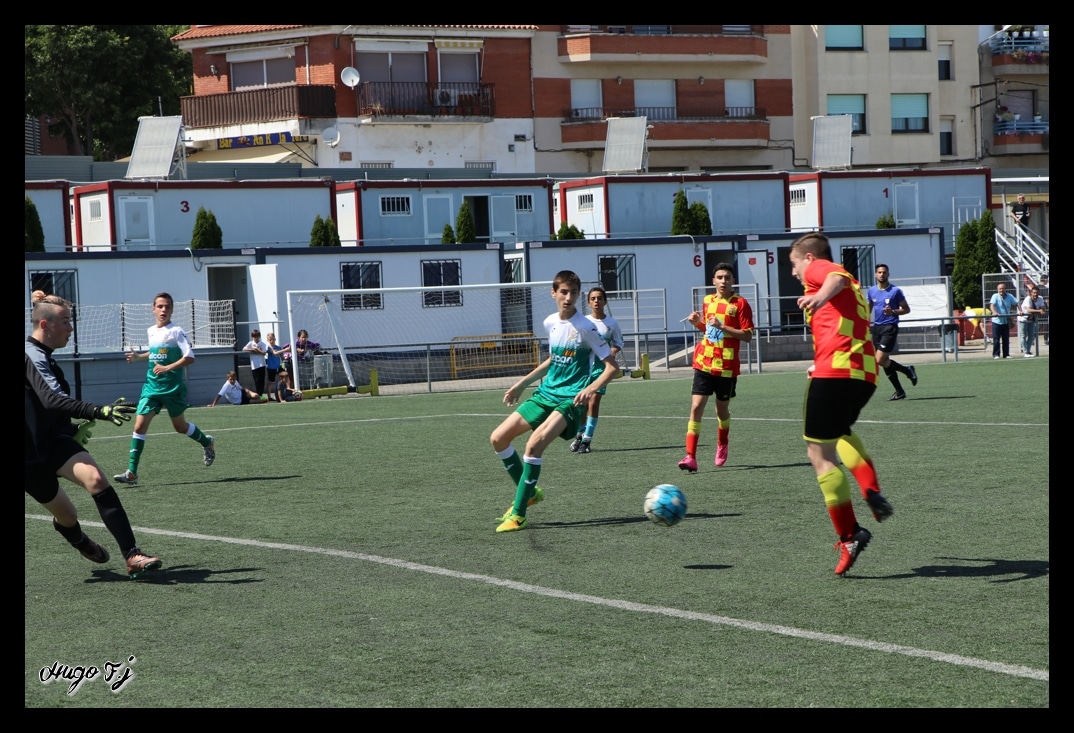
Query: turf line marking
[{"x": 1013, "y": 670}]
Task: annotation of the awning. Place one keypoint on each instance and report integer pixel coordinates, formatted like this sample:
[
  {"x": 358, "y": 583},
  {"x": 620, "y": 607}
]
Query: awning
[
  {"x": 473, "y": 44},
  {"x": 258, "y": 154}
]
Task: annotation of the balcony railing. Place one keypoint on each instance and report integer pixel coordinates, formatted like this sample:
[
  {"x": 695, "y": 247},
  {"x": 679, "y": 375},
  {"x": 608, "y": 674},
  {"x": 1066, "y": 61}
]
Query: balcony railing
[
  {"x": 661, "y": 114},
  {"x": 1005, "y": 127},
  {"x": 1036, "y": 41},
  {"x": 286, "y": 102},
  {"x": 403, "y": 99}
]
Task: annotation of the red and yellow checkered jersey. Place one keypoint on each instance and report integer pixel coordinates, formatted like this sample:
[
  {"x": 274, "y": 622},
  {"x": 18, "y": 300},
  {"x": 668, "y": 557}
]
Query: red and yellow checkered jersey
[
  {"x": 842, "y": 343},
  {"x": 721, "y": 357}
]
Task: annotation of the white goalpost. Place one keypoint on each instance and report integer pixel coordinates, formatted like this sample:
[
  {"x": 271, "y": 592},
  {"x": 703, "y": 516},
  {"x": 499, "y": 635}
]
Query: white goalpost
[{"x": 452, "y": 338}]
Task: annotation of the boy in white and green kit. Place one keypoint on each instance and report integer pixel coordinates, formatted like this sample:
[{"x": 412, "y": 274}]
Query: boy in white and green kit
[
  {"x": 557, "y": 406},
  {"x": 165, "y": 386}
]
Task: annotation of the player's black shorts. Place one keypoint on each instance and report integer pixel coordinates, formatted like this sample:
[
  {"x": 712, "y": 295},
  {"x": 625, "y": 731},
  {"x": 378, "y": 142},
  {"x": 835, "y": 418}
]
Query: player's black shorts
[
  {"x": 832, "y": 406},
  {"x": 40, "y": 476},
  {"x": 710, "y": 384},
  {"x": 884, "y": 337}
]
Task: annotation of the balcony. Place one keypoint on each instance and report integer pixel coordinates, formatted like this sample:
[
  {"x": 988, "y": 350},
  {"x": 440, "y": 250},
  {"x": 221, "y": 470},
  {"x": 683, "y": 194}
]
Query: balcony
[
  {"x": 655, "y": 44},
  {"x": 385, "y": 100},
  {"x": 1020, "y": 136},
  {"x": 289, "y": 102},
  {"x": 672, "y": 127},
  {"x": 1021, "y": 52}
]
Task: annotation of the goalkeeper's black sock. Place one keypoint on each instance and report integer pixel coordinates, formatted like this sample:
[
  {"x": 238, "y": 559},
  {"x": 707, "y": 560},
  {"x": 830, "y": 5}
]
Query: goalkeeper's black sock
[
  {"x": 898, "y": 367},
  {"x": 115, "y": 518},
  {"x": 893, "y": 377},
  {"x": 73, "y": 535}
]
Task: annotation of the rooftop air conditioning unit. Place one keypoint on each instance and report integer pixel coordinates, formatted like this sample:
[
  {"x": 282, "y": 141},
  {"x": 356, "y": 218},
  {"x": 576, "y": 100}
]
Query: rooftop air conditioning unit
[{"x": 446, "y": 97}]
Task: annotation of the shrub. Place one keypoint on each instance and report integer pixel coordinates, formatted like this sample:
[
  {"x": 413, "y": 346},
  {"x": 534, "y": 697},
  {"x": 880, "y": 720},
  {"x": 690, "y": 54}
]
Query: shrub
[
  {"x": 35, "y": 235},
  {"x": 331, "y": 233},
  {"x": 569, "y": 232},
  {"x": 207, "y": 233},
  {"x": 318, "y": 234},
  {"x": 886, "y": 221},
  {"x": 448, "y": 237},
  {"x": 700, "y": 223},
  {"x": 465, "y": 231},
  {"x": 680, "y": 214}
]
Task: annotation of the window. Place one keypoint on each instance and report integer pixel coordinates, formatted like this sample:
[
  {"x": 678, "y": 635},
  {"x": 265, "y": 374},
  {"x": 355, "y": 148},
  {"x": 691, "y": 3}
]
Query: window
[
  {"x": 438, "y": 273},
  {"x": 909, "y": 113},
  {"x": 458, "y": 67},
  {"x": 524, "y": 203},
  {"x": 94, "y": 211},
  {"x": 858, "y": 261},
  {"x": 586, "y": 99},
  {"x": 63, "y": 283},
  {"x": 849, "y": 104},
  {"x": 262, "y": 73},
  {"x": 485, "y": 165},
  {"x": 843, "y": 38},
  {"x": 360, "y": 276},
  {"x": 798, "y": 197},
  {"x": 943, "y": 55},
  {"x": 585, "y": 202},
  {"x": 652, "y": 30},
  {"x": 947, "y": 136},
  {"x": 738, "y": 97},
  {"x": 906, "y": 37},
  {"x": 655, "y": 98},
  {"x": 617, "y": 273},
  {"x": 395, "y": 206},
  {"x": 376, "y": 164}
]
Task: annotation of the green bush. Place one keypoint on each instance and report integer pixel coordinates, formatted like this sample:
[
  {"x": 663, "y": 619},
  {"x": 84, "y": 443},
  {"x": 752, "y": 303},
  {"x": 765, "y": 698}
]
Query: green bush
[
  {"x": 207, "y": 233},
  {"x": 318, "y": 234},
  {"x": 331, "y": 233},
  {"x": 680, "y": 214},
  {"x": 465, "y": 231},
  {"x": 35, "y": 235},
  {"x": 700, "y": 222},
  {"x": 569, "y": 232},
  {"x": 448, "y": 237},
  {"x": 887, "y": 221}
]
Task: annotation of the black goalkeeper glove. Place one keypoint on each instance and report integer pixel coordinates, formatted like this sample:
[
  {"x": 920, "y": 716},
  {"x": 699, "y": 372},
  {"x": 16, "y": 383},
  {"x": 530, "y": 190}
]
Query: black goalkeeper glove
[{"x": 118, "y": 413}]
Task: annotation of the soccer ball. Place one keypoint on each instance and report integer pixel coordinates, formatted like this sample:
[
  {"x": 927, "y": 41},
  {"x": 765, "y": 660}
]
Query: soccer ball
[{"x": 665, "y": 504}]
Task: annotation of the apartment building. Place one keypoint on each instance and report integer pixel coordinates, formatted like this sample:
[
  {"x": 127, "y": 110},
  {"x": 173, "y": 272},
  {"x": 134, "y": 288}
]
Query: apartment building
[{"x": 535, "y": 99}]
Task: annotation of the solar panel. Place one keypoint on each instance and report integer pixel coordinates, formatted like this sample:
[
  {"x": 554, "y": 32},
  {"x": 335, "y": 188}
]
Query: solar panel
[
  {"x": 154, "y": 147},
  {"x": 624, "y": 148},
  {"x": 831, "y": 141}
]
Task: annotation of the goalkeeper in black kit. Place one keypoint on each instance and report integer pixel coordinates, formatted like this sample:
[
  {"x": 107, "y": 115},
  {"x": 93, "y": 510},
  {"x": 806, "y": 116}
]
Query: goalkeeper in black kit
[{"x": 54, "y": 448}]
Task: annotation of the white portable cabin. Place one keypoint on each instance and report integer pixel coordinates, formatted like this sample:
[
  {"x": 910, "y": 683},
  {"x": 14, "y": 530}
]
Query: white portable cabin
[
  {"x": 920, "y": 197},
  {"x": 642, "y": 205},
  {"x": 150, "y": 215},
  {"x": 381, "y": 212},
  {"x": 51, "y": 199}
]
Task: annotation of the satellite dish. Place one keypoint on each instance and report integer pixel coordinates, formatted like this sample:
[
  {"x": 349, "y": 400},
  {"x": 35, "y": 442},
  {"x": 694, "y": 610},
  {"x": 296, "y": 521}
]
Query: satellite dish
[
  {"x": 350, "y": 76},
  {"x": 330, "y": 137}
]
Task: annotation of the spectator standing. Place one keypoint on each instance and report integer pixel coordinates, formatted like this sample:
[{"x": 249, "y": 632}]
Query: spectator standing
[
  {"x": 841, "y": 381},
  {"x": 1044, "y": 321},
  {"x": 1003, "y": 305},
  {"x": 887, "y": 302},
  {"x": 1032, "y": 309},
  {"x": 1020, "y": 211},
  {"x": 302, "y": 352},
  {"x": 258, "y": 351},
  {"x": 274, "y": 362}
]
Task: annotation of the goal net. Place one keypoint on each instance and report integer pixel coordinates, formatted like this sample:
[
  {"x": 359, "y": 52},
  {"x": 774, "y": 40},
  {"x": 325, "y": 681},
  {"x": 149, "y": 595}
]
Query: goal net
[
  {"x": 453, "y": 338},
  {"x": 114, "y": 328}
]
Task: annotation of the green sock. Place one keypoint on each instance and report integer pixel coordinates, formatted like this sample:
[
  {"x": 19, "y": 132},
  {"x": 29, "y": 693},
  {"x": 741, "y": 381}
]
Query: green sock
[
  {"x": 198, "y": 435},
  {"x": 513, "y": 464},
  {"x": 137, "y": 446},
  {"x": 527, "y": 485}
]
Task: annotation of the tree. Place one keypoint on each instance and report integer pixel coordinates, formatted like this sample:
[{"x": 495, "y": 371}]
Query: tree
[
  {"x": 35, "y": 235},
  {"x": 465, "y": 231},
  {"x": 700, "y": 222},
  {"x": 318, "y": 235},
  {"x": 95, "y": 81},
  {"x": 448, "y": 237},
  {"x": 331, "y": 233},
  {"x": 965, "y": 275},
  {"x": 570, "y": 232},
  {"x": 987, "y": 251},
  {"x": 680, "y": 214},
  {"x": 207, "y": 233}
]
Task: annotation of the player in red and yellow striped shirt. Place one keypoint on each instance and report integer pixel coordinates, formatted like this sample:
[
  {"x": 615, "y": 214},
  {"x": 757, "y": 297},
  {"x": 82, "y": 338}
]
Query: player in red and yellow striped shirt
[
  {"x": 727, "y": 321},
  {"x": 843, "y": 379}
]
